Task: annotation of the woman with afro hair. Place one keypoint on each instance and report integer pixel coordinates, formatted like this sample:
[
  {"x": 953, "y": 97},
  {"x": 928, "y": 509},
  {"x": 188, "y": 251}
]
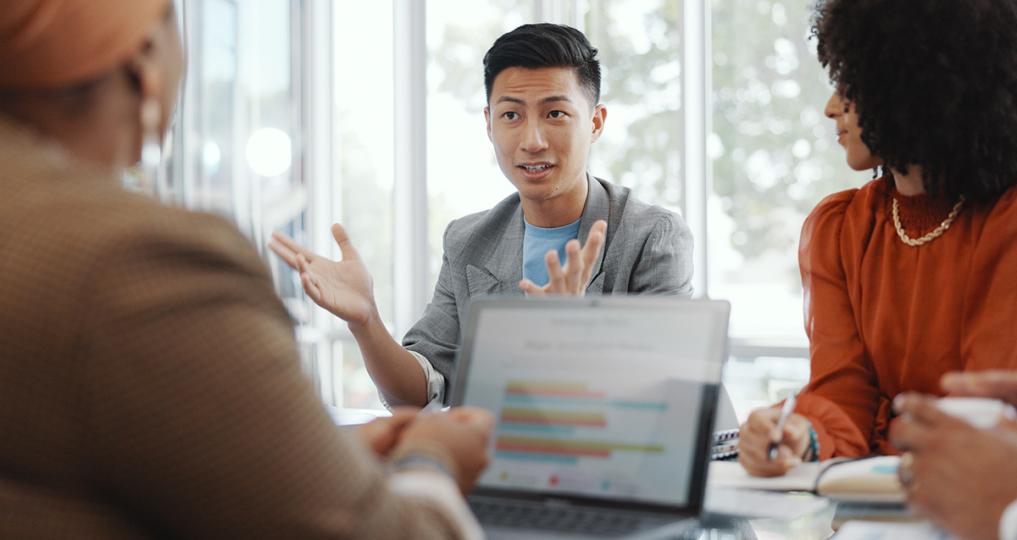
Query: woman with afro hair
[{"x": 913, "y": 275}]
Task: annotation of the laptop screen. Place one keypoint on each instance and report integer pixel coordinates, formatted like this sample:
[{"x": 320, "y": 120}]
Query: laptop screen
[{"x": 597, "y": 398}]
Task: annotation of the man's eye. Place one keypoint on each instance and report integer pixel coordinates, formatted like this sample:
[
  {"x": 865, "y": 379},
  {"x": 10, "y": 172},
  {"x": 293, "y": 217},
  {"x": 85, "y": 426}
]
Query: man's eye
[
  {"x": 557, "y": 114},
  {"x": 510, "y": 115}
]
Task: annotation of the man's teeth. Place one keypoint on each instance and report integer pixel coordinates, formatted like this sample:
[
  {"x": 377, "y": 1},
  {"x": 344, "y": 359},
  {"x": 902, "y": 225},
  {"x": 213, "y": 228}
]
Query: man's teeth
[{"x": 536, "y": 168}]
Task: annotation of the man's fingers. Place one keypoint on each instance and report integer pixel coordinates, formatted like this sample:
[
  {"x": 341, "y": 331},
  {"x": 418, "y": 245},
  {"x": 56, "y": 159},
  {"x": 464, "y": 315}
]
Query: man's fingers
[
  {"x": 290, "y": 244},
  {"x": 284, "y": 253},
  {"x": 303, "y": 265},
  {"x": 310, "y": 287},
  {"x": 573, "y": 267},
  {"x": 594, "y": 242},
  {"x": 531, "y": 288},
  {"x": 556, "y": 277},
  {"x": 345, "y": 246}
]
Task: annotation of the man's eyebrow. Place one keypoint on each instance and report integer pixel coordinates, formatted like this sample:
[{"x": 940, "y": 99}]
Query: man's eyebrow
[
  {"x": 549, "y": 99},
  {"x": 555, "y": 99},
  {"x": 510, "y": 99}
]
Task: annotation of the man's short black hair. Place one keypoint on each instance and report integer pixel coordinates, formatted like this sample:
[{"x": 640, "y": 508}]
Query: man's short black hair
[{"x": 545, "y": 45}]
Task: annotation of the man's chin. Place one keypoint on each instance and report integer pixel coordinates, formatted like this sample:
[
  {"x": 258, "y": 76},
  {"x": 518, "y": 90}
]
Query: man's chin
[{"x": 537, "y": 191}]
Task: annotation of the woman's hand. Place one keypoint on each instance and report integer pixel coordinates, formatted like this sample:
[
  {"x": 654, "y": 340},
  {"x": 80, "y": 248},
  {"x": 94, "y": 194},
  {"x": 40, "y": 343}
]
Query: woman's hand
[
  {"x": 756, "y": 434},
  {"x": 342, "y": 287}
]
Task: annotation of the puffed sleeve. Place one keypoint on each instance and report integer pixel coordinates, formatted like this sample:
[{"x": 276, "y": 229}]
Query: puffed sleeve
[
  {"x": 991, "y": 309},
  {"x": 842, "y": 395}
]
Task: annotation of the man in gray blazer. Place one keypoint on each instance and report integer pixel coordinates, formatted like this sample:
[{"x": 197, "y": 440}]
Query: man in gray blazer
[{"x": 543, "y": 115}]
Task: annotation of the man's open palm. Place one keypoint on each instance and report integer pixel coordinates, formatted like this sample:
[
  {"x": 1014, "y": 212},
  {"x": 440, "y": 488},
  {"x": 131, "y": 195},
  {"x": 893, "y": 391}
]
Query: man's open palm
[
  {"x": 343, "y": 287},
  {"x": 574, "y": 277}
]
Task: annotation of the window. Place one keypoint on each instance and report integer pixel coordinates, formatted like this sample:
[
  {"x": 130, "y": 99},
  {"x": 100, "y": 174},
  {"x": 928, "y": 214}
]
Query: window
[
  {"x": 402, "y": 82},
  {"x": 462, "y": 174},
  {"x": 774, "y": 157},
  {"x": 364, "y": 131},
  {"x": 640, "y": 49}
]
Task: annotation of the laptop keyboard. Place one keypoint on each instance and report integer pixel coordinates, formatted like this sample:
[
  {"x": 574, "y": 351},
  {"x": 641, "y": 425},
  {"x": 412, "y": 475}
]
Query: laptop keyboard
[{"x": 562, "y": 519}]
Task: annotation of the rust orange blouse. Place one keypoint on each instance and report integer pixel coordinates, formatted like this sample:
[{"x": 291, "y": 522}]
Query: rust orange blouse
[{"x": 884, "y": 318}]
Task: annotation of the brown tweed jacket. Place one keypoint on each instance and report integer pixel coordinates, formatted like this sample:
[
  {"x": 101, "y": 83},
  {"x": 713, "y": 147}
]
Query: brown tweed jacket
[{"x": 149, "y": 380}]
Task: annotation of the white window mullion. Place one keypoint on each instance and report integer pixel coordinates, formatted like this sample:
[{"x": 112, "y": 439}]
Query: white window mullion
[
  {"x": 410, "y": 255},
  {"x": 696, "y": 88}
]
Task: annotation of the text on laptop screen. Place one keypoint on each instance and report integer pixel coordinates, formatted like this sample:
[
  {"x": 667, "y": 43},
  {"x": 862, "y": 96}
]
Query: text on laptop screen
[{"x": 599, "y": 402}]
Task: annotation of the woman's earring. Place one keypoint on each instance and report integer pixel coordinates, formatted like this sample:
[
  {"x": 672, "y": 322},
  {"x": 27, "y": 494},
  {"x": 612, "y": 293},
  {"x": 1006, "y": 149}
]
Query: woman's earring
[{"x": 151, "y": 146}]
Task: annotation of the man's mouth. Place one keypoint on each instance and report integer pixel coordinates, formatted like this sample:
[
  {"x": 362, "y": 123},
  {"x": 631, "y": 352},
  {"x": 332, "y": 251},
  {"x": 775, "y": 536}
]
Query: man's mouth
[{"x": 535, "y": 167}]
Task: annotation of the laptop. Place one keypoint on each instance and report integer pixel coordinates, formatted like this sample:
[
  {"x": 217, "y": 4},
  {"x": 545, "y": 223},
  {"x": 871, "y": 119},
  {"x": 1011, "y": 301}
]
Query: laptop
[{"x": 604, "y": 408}]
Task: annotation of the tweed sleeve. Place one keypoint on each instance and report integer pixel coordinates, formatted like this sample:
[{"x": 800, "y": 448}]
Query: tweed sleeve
[
  {"x": 197, "y": 416},
  {"x": 665, "y": 264}
]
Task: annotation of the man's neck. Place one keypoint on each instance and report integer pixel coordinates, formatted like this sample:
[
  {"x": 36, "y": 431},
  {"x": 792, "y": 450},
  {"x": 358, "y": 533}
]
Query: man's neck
[{"x": 558, "y": 211}]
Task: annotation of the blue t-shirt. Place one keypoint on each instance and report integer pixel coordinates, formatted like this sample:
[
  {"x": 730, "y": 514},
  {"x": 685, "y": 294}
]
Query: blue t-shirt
[{"x": 537, "y": 241}]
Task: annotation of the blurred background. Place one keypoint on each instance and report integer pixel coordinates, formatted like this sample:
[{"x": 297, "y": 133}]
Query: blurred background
[{"x": 300, "y": 113}]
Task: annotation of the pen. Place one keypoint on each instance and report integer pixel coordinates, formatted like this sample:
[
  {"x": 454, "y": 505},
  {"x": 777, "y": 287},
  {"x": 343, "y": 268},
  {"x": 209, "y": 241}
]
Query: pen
[{"x": 785, "y": 412}]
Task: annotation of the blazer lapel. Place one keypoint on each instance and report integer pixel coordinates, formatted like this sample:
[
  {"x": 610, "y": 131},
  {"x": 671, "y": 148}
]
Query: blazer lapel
[
  {"x": 597, "y": 207},
  {"x": 503, "y": 270}
]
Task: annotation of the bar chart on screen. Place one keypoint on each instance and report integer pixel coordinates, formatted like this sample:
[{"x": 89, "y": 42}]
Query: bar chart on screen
[{"x": 594, "y": 436}]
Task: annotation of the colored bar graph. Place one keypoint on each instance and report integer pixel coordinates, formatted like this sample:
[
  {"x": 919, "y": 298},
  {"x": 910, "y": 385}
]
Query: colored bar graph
[
  {"x": 566, "y": 447},
  {"x": 519, "y": 415},
  {"x": 541, "y": 429},
  {"x": 522, "y": 456},
  {"x": 553, "y": 401},
  {"x": 551, "y": 388}
]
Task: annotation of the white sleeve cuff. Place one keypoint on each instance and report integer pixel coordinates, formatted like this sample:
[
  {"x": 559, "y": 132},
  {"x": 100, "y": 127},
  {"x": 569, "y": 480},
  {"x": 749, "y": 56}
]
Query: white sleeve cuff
[
  {"x": 1008, "y": 523},
  {"x": 439, "y": 492},
  {"x": 435, "y": 382}
]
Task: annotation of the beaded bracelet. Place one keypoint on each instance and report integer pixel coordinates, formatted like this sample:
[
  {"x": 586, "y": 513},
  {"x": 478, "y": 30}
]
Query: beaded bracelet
[{"x": 812, "y": 451}]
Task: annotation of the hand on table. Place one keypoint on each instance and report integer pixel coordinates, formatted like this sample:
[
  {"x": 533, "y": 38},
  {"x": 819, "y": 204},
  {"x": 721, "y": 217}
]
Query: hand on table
[
  {"x": 756, "y": 434},
  {"x": 383, "y": 434},
  {"x": 461, "y": 432},
  {"x": 342, "y": 287},
  {"x": 575, "y": 276},
  {"x": 959, "y": 476}
]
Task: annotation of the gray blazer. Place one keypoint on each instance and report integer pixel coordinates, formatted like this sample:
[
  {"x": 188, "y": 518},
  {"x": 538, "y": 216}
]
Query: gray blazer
[{"x": 647, "y": 250}]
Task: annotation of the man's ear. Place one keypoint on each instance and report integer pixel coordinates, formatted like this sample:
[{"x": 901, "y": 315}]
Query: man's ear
[
  {"x": 599, "y": 119},
  {"x": 487, "y": 121}
]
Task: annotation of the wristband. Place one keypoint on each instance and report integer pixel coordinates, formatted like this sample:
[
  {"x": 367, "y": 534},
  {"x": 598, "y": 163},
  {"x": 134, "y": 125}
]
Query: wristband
[{"x": 420, "y": 461}]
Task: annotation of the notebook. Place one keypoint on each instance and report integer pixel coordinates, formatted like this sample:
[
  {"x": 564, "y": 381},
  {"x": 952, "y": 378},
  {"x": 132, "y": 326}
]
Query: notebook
[
  {"x": 605, "y": 409},
  {"x": 870, "y": 480}
]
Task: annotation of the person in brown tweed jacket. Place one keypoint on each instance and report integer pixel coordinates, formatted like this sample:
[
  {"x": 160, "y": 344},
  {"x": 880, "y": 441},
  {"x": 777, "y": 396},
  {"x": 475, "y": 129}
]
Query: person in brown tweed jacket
[{"x": 149, "y": 379}]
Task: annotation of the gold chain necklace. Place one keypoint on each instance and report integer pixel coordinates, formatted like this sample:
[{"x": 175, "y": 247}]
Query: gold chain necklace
[{"x": 932, "y": 235}]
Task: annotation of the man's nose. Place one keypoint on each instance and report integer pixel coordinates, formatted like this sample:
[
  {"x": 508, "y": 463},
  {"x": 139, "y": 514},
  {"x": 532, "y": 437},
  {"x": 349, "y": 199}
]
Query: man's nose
[{"x": 534, "y": 140}]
